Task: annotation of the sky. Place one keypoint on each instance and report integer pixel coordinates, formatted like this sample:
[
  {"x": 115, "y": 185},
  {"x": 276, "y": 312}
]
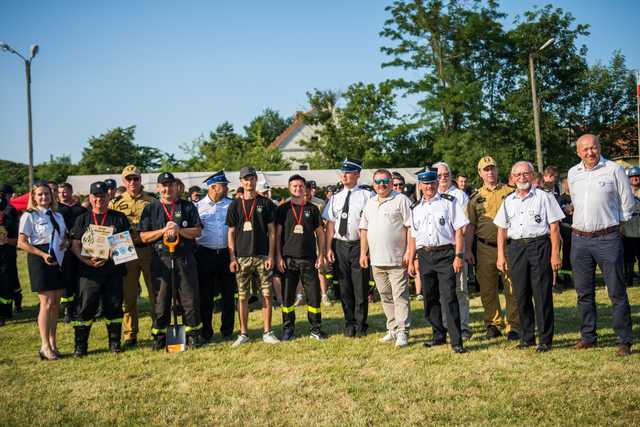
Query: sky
[{"x": 178, "y": 69}]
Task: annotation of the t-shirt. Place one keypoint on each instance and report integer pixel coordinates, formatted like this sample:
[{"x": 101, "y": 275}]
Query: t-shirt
[
  {"x": 294, "y": 244},
  {"x": 154, "y": 217},
  {"x": 254, "y": 242},
  {"x": 70, "y": 213},
  {"x": 114, "y": 219}
]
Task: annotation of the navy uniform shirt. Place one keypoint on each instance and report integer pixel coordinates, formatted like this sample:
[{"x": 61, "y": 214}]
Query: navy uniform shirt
[
  {"x": 294, "y": 244},
  {"x": 154, "y": 218}
]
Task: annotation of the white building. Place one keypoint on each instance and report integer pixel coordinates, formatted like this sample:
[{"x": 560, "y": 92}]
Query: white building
[{"x": 288, "y": 142}]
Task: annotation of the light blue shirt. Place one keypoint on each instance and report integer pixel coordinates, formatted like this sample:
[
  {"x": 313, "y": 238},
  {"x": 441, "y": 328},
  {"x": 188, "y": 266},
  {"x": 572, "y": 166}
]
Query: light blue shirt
[{"x": 213, "y": 217}]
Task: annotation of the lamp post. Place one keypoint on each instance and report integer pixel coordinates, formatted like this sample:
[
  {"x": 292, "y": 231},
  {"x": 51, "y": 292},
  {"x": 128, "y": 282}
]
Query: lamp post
[
  {"x": 27, "y": 68},
  {"x": 536, "y": 103}
]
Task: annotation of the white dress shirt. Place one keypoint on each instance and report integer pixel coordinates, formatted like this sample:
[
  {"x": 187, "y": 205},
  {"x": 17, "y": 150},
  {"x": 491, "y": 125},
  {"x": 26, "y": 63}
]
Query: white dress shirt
[
  {"x": 357, "y": 201},
  {"x": 37, "y": 226},
  {"x": 529, "y": 216},
  {"x": 213, "y": 217},
  {"x": 435, "y": 221},
  {"x": 601, "y": 196}
]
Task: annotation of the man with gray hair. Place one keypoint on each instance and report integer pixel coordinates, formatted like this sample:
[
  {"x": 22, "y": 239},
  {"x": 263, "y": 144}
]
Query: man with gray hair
[
  {"x": 602, "y": 201},
  {"x": 529, "y": 233},
  {"x": 384, "y": 233},
  {"x": 445, "y": 186}
]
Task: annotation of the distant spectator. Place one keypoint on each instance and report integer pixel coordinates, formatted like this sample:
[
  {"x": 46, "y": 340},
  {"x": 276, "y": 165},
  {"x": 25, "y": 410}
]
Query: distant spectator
[{"x": 194, "y": 193}]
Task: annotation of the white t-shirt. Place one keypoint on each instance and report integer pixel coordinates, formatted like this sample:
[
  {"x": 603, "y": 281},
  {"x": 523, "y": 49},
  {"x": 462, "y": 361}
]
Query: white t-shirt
[
  {"x": 37, "y": 226},
  {"x": 386, "y": 222}
]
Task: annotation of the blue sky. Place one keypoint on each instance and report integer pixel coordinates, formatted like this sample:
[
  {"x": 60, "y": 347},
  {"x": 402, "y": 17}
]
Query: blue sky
[{"x": 177, "y": 69}]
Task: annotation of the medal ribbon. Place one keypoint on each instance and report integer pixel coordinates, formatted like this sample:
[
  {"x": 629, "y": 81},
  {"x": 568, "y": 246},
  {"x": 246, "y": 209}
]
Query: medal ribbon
[
  {"x": 95, "y": 218},
  {"x": 244, "y": 209},
  {"x": 295, "y": 216},
  {"x": 173, "y": 208}
]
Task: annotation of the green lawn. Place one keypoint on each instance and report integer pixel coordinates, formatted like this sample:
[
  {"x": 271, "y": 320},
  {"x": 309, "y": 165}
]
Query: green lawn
[{"x": 337, "y": 382}]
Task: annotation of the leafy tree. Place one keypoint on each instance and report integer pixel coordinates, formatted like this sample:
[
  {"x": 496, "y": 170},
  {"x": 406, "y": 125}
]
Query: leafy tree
[
  {"x": 265, "y": 128},
  {"x": 14, "y": 174},
  {"x": 57, "y": 169}
]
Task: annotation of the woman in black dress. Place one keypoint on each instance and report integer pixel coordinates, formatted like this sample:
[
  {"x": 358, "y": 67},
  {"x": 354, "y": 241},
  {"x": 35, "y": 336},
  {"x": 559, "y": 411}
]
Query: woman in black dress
[{"x": 41, "y": 235}]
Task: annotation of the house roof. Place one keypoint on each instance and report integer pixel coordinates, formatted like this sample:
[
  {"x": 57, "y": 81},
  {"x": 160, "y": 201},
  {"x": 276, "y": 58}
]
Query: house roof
[{"x": 298, "y": 123}]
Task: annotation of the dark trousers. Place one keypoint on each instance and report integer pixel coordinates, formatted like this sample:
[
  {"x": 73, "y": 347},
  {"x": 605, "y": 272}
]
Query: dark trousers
[
  {"x": 439, "y": 279},
  {"x": 301, "y": 269},
  {"x": 354, "y": 288},
  {"x": 6, "y": 289},
  {"x": 532, "y": 277},
  {"x": 70, "y": 270},
  {"x": 565, "y": 234},
  {"x": 631, "y": 256},
  {"x": 217, "y": 283},
  {"x": 605, "y": 252},
  {"x": 186, "y": 282},
  {"x": 96, "y": 288}
]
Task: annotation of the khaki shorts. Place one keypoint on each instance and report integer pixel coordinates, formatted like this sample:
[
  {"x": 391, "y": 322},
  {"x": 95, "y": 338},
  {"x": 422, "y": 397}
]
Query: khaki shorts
[{"x": 250, "y": 268}]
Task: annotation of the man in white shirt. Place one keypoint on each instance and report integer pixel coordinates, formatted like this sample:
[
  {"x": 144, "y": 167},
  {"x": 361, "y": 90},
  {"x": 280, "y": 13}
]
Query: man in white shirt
[
  {"x": 437, "y": 236},
  {"x": 528, "y": 231},
  {"x": 445, "y": 186},
  {"x": 384, "y": 234},
  {"x": 602, "y": 201},
  {"x": 212, "y": 256},
  {"x": 343, "y": 214}
]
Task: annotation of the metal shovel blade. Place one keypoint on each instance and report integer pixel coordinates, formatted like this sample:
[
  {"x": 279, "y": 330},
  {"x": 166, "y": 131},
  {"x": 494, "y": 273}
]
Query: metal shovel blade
[{"x": 176, "y": 339}]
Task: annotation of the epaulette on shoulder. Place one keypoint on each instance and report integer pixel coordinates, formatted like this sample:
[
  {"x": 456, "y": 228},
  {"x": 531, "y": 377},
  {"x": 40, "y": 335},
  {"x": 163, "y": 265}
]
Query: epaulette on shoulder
[
  {"x": 448, "y": 197},
  {"x": 474, "y": 194},
  {"x": 116, "y": 199},
  {"x": 414, "y": 203}
]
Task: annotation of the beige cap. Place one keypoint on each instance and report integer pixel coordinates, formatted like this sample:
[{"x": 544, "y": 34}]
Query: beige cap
[
  {"x": 486, "y": 161},
  {"x": 130, "y": 170}
]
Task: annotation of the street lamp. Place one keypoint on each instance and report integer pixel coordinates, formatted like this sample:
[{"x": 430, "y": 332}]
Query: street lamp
[
  {"x": 27, "y": 67},
  {"x": 536, "y": 103}
]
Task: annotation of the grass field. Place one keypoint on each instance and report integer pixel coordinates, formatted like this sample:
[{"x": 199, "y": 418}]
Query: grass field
[{"x": 338, "y": 382}]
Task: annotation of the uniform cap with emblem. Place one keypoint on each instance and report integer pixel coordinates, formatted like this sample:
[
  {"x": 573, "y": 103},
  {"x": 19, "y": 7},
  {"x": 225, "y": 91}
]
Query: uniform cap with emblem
[
  {"x": 166, "y": 178},
  {"x": 98, "y": 187},
  {"x": 217, "y": 178},
  {"x": 351, "y": 165},
  {"x": 246, "y": 171},
  {"x": 486, "y": 161},
  {"x": 633, "y": 171},
  {"x": 111, "y": 184},
  {"x": 130, "y": 170},
  {"x": 427, "y": 174}
]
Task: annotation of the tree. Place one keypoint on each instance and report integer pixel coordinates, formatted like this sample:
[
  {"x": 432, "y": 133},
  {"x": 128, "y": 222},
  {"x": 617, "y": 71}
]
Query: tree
[
  {"x": 113, "y": 150},
  {"x": 265, "y": 128},
  {"x": 57, "y": 169},
  {"x": 14, "y": 174}
]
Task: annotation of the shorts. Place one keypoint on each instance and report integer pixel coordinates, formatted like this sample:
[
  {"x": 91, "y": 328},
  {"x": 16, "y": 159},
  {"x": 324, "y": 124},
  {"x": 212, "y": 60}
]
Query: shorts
[{"x": 250, "y": 268}]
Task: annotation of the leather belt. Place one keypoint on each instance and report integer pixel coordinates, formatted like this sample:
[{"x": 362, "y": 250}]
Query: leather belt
[
  {"x": 220, "y": 251},
  {"x": 597, "y": 233},
  {"x": 486, "y": 242},
  {"x": 527, "y": 240},
  {"x": 437, "y": 248},
  {"x": 348, "y": 242}
]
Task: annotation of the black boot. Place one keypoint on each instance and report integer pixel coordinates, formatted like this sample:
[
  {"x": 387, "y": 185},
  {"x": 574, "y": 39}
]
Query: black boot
[
  {"x": 194, "y": 340},
  {"x": 114, "y": 330},
  {"x": 17, "y": 300},
  {"x": 160, "y": 342},
  {"x": 628, "y": 274},
  {"x": 81, "y": 339}
]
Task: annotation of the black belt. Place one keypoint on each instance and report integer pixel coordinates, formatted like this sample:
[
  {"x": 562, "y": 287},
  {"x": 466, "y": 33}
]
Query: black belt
[
  {"x": 348, "y": 242},
  {"x": 528, "y": 240},
  {"x": 486, "y": 242},
  {"x": 220, "y": 251},
  {"x": 437, "y": 248}
]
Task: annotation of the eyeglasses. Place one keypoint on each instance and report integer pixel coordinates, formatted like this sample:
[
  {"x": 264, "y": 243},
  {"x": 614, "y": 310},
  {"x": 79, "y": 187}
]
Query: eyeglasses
[
  {"x": 518, "y": 175},
  {"x": 132, "y": 178},
  {"x": 382, "y": 181},
  {"x": 398, "y": 184},
  {"x": 443, "y": 175}
]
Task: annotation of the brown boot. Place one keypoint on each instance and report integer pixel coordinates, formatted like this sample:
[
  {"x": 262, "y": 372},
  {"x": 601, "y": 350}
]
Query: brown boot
[{"x": 582, "y": 345}]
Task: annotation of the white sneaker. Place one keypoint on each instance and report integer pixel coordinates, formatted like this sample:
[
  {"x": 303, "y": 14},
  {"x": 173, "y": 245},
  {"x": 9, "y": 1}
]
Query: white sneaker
[
  {"x": 389, "y": 337},
  {"x": 402, "y": 340},
  {"x": 419, "y": 297},
  {"x": 242, "y": 339},
  {"x": 270, "y": 338},
  {"x": 326, "y": 301}
]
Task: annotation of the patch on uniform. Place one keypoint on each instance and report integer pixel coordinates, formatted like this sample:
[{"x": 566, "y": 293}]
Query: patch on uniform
[
  {"x": 441, "y": 220},
  {"x": 344, "y": 215},
  {"x": 178, "y": 214},
  {"x": 481, "y": 199},
  {"x": 601, "y": 183},
  {"x": 123, "y": 206},
  {"x": 538, "y": 219},
  {"x": 184, "y": 223},
  {"x": 307, "y": 214},
  {"x": 259, "y": 209}
]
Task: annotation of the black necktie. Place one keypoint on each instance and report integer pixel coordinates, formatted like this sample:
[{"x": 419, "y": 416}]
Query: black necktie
[
  {"x": 344, "y": 216},
  {"x": 56, "y": 229}
]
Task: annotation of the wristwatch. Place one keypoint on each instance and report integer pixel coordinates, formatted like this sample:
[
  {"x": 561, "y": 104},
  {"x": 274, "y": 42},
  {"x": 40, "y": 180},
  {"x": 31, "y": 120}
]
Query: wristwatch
[{"x": 460, "y": 255}]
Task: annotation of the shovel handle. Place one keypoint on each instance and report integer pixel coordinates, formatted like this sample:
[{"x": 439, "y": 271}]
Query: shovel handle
[{"x": 171, "y": 245}]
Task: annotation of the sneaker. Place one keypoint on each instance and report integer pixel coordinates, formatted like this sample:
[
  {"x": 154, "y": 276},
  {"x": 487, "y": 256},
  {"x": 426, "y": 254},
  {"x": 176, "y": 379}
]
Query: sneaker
[
  {"x": 299, "y": 299},
  {"x": 389, "y": 337},
  {"x": 242, "y": 339},
  {"x": 270, "y": 338},
  {"x": 402, "y": 340},
  {"x": 419, "y": 297},
  {"x": 318, "y": 335},
  {"x": 326, "y": 301}
]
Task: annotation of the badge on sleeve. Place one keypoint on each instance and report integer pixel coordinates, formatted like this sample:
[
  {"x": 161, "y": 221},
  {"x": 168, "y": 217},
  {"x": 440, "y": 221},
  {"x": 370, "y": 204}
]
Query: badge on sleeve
[
  {"x": 184, "y": 224},
  {"x": 538, "y": 219}
]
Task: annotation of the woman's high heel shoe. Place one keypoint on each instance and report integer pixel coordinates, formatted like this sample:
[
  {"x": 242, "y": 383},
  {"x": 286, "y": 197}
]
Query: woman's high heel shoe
[{"x": 45, "y": 356}]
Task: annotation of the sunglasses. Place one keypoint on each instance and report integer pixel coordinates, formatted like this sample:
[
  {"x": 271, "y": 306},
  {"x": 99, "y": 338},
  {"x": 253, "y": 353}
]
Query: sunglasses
[
  {"x": 133, "y": 178},
  {"x": 398, "y": 184},
  {"x": 382, "y": 181}
]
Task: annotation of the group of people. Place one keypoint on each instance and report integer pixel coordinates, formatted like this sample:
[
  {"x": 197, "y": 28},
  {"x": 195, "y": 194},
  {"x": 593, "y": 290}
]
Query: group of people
[{"x": 514, "y": 234}]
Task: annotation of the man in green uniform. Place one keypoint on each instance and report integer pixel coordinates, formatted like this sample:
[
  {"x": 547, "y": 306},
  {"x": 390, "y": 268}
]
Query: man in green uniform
[
  {"x": 131, "y": 204},
  {"x": 481, "y": 210}
]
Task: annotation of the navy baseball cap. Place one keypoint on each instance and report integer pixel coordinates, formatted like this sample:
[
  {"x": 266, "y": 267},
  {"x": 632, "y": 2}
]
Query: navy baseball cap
[
  {"x": 246, "y": 171},
  {"x": 98, "y": 187},
  {"x": 111, "y": 184}
]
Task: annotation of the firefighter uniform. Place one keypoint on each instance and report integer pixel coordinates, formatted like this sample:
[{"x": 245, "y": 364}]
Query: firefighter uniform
[
  {"x": 99, "y": 284},
  {"x": 8, "y": 279},
  {"x": 132, "y": 206},
  {"x": 481, "y": 210},
  {"x": 155, "y": 217},
  {"x": 71, "y": 264}
]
